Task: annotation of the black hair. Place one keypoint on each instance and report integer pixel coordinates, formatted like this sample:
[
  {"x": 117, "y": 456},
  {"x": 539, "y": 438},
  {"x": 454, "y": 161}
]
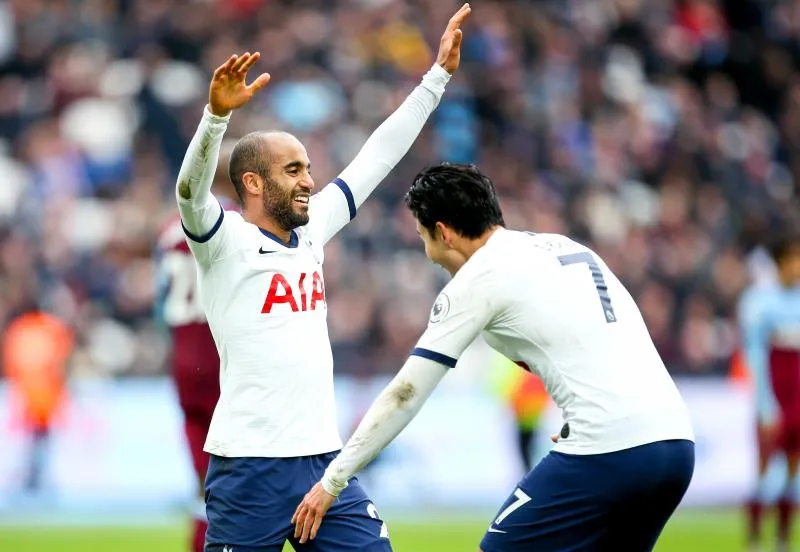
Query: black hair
[
  {"x": 250, "y": 154},
  {"x": 460, "y": 196}
]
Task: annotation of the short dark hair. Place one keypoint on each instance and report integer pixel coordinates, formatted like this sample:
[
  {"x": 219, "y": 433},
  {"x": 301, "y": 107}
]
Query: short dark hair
[
  {"x": 460, "y": 196},
  {"x": 250, "y": 154}
]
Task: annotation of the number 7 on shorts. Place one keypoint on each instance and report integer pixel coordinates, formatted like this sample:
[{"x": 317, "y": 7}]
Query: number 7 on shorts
[{"x": 521, "y": 500}]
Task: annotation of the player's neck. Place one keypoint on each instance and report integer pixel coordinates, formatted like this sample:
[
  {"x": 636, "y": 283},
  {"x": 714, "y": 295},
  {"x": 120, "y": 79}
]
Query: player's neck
[
  {"x": 266, "y": 223},
  {"x": 477, "y": 243},
  {"x": 467, "y": 247}
]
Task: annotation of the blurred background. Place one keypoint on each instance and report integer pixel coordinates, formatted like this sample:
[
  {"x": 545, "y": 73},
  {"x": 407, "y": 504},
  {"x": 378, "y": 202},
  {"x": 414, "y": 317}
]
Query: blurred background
[{"x": 662, "y": 133}]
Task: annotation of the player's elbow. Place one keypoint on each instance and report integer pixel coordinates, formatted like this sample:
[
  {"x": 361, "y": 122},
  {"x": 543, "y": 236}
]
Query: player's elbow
[
  {"x": 183, "y": 191},
  {"x": 403, "y": 394}
]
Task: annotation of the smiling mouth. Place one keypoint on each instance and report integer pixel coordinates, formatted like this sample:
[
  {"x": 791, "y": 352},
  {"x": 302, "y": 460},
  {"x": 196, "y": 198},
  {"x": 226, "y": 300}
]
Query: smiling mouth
[{"x": 301, "y": 199}]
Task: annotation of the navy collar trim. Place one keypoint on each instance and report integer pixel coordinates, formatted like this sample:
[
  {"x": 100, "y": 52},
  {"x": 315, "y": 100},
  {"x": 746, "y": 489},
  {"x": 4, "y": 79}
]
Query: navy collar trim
[{"x": 294, "y": 241}]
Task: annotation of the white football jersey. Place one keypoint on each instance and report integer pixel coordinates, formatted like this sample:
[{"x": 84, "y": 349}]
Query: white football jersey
[
  {"x": 265, "y": 304},
  {"x": 554, "y": 307}
]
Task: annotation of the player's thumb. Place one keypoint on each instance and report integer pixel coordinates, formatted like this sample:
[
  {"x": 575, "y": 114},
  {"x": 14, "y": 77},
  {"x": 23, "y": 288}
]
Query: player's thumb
[
  {"x": 260, "y": 82},
  {"x": 457, "y": 36}
]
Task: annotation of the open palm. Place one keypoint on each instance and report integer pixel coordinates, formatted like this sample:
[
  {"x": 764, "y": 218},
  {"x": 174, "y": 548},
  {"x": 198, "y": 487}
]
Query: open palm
[
  {"x": 449, "y": 55},
  {"x": 229, "y": 89}
]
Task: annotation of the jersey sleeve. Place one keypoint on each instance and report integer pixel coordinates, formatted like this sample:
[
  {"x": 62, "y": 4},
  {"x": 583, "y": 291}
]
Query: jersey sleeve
[
  {"x": 337, "y": 203},
  {"x": 391, "y": 412},
  {"x": 755, "y": 341},
  {"x": 458, "y": 315},
  {"x": 330, "y": 210},
  {"x": 202, "y": 215}
]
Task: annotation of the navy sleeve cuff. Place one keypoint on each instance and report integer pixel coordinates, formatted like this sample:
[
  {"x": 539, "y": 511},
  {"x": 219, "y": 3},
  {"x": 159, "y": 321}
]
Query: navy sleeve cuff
[
  {"x": 351, "y": 202},
  {"x": 450, "y": 362},
  {"x": 208, "y": 235}
]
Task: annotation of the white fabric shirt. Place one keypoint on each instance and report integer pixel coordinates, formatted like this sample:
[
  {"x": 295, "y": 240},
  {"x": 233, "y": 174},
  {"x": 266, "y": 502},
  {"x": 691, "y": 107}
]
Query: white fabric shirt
[
  {"x": 553, "y": 306},
  {"x": 265, "y": 300}
]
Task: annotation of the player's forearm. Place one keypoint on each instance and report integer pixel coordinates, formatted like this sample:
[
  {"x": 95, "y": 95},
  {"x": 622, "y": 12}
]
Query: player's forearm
[
  {"x": 392, "y": 140},
  {"x": 199, "y": 211},
  {"x": 387, "y": 417}
]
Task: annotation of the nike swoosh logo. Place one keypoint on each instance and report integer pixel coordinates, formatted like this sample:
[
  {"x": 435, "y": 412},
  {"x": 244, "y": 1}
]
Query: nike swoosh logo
[
  {"x": 493, "y": 530},
  {"x": 261, "y": 250}
]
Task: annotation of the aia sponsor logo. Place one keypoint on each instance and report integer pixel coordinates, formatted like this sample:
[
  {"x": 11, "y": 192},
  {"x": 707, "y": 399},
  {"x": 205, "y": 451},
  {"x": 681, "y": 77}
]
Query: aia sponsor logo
[{"x": 306, "y": 294}]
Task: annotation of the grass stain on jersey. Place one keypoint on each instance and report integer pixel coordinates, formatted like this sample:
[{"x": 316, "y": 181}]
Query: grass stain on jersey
[
  {"x": 184, "y": 189},
  {"x": 404, "y": 393}
]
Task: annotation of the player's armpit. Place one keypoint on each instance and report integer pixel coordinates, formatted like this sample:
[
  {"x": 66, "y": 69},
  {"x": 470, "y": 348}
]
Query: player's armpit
[{"x": 391, "y": 412}]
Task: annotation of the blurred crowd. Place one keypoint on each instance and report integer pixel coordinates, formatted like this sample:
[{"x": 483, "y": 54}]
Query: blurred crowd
[{"x": 664, "y": 134}]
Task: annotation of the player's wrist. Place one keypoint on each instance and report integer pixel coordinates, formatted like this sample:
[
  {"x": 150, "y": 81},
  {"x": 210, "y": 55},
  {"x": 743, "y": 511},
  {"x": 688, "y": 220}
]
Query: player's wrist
[
  {"x": 331, "y": 485},
  {"x": 436, "y": 79},
  {"x": 208, "y": 113},
  {"x": 438, "y": 71}
]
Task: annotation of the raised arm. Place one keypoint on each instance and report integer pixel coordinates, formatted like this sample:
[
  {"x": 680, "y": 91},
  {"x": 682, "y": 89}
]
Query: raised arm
[
  {"x": 332, "y": 208},
  {"x": 201, "y": 214},
  {"x": 393, "y": 138}
]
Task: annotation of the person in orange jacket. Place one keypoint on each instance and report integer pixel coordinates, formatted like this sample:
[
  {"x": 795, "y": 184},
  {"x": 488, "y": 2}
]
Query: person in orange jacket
[
  {"x": 527, "y": 397},
  {"x": 36, "y": 347}
]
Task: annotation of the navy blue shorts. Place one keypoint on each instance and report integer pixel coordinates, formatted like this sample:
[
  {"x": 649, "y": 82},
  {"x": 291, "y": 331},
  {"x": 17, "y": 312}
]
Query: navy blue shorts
[
  {"x": 250, "y": 503},
  {"x": 615, "y": 502}
]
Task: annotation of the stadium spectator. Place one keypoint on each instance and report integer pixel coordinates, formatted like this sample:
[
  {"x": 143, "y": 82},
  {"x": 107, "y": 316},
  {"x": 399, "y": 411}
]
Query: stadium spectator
[{"x": 36, "y": 347}]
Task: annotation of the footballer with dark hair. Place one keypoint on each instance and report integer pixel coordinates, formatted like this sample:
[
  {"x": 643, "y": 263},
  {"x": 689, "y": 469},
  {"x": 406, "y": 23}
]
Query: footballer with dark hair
[{"x": 626, "y": 448}]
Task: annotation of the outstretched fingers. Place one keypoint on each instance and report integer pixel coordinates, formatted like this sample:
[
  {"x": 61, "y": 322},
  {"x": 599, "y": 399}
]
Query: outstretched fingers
[
  {"x": 241, "y": 63},
  {"x": 239, "y": 66},
  {"x": 225, "y": 67},
  {"x": 459, "y": 17},
  {"x": 250, "y": 62}
]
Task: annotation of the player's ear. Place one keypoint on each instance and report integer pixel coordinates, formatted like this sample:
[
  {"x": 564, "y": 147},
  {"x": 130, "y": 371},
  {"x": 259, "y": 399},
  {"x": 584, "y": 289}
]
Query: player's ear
[
  {"x": 253, "y": 183},
  {"x": 443, "y": 233}
]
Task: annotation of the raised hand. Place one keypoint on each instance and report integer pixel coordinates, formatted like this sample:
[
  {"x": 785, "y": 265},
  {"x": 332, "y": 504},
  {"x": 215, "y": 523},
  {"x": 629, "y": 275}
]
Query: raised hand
[
  {"x": 450, "y": 46},
  {"x": 228, "y": 89}
]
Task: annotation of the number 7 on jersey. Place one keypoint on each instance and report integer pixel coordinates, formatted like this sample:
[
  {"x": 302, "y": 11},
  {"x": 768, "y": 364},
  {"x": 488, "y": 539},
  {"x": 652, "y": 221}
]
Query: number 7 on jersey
[{"x": 597, "y": 276}]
